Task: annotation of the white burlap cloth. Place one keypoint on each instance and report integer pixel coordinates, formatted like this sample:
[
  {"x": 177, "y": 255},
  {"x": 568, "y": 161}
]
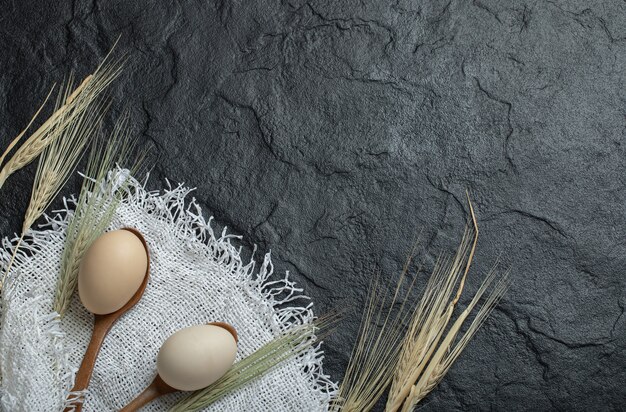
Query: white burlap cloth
[{"x": 196, "y": 277}]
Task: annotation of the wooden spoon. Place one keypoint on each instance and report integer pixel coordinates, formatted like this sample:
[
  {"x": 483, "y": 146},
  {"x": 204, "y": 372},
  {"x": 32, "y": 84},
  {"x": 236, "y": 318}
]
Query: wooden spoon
[
  {"x": 158, "y": 387},
  {"x": 102, "y": 325}
]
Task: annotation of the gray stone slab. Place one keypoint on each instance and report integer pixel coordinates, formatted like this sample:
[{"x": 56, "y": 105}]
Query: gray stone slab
[{"x": 331, "y": 133}]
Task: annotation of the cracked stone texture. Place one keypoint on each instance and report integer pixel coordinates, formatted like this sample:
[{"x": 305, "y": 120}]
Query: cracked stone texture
[{"x": 333, "y": 132}]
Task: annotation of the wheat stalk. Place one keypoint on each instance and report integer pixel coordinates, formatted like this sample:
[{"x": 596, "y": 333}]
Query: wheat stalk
[
  {"x": 382, "y": 353},
  {"x": 432, "y": 316},
  {"x": 426, "y": 351},
  {"x": 96, "y": 204},
  {"x": 449, "y": 351},
  {"x": 376, "y": 354},
  {"x": 77, "y": 117},
  {"x": 257, "y": 364},
  {"x": 414, "y": 361}
]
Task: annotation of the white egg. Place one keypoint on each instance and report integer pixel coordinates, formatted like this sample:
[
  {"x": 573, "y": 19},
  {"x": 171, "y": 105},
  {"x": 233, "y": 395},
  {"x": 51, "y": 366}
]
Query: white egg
[{"x": 197, "y": 356}]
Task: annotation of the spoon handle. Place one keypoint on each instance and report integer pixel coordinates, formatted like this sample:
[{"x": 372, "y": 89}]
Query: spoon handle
[
  {"x": 102, "y": 324},
  {"x": 157, "y": 388}
]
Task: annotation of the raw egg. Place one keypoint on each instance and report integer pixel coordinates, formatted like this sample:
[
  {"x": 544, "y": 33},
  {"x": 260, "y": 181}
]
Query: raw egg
[
  {"x": 112, "y": 270},
  {"x": 195, "y": 357}
]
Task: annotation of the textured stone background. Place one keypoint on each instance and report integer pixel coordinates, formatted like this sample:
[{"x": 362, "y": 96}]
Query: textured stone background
[{"x": 332, "y": 132}]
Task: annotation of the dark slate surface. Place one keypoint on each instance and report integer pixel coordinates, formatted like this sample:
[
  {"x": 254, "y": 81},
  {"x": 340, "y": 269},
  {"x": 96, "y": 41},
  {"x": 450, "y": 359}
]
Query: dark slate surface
[{"x": 331, "y": 132}]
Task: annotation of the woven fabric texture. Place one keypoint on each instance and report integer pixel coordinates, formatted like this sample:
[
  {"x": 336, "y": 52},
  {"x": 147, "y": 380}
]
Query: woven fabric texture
[{"x": 196, "y": 277}]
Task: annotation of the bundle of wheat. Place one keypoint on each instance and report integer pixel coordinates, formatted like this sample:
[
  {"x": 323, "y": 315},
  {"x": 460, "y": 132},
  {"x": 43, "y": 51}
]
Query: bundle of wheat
[{"x": 412, "y": 362}]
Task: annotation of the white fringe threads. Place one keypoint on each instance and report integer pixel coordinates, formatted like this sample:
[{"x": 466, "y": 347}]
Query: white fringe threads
[{"x": 39, "y": 354}]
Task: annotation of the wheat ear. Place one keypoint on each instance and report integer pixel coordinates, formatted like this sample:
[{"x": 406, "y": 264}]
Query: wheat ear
[
  {"x": 61, "y": 118},
  {"x": 431, "y": 318},
  {"x": 38, "y": 141},
  {"x": 24, "y": 158},
  {"x": 376, "y": 353},
  {"x": 426, "y": 356},
  {"x": 374, "y": 357},
  {"x": 75, "y": 126},
  {"x": 449, "y": 351},
  {"x": 96, "y": 204}
]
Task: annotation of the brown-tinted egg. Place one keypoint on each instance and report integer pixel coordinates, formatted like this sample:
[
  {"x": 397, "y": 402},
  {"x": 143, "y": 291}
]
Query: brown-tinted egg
[
  {"x": 111, "y": 271},
  {"x": 195, "y": 357}
]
